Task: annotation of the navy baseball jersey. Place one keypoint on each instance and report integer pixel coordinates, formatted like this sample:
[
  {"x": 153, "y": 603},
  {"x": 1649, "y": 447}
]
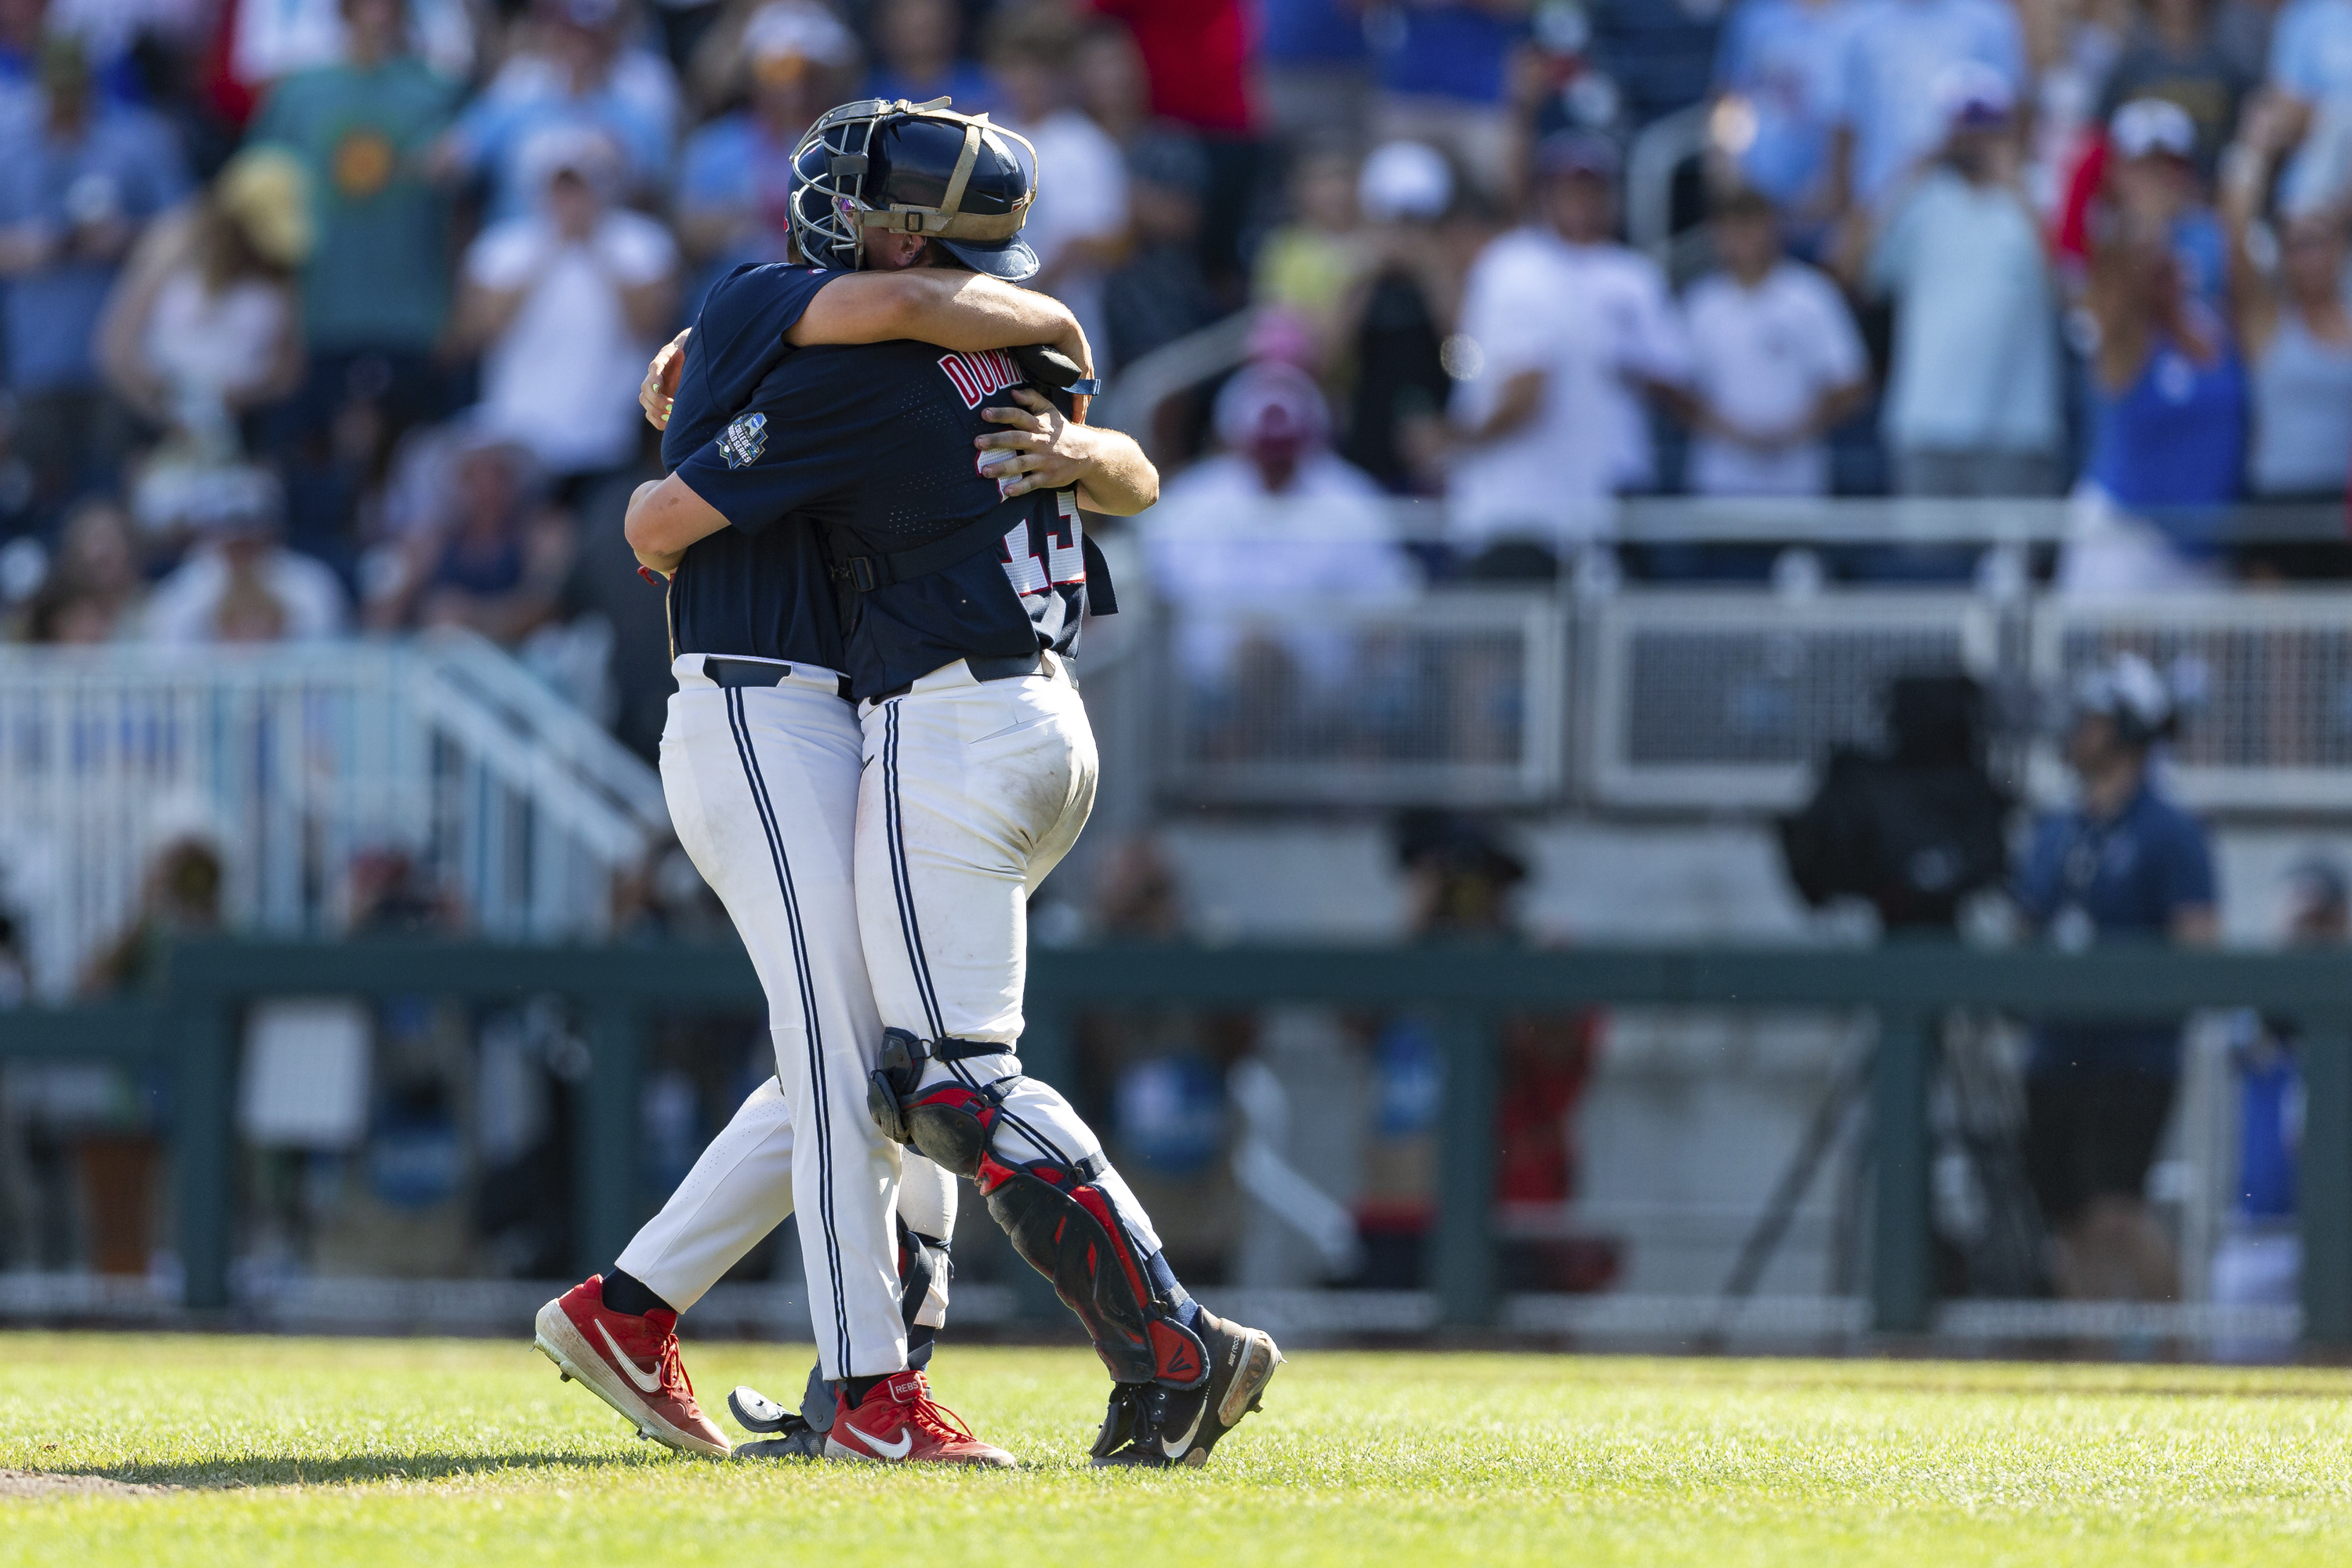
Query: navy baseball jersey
[
  {"x": 760, "y": 592},
  {"x": 871, "y": 449}
]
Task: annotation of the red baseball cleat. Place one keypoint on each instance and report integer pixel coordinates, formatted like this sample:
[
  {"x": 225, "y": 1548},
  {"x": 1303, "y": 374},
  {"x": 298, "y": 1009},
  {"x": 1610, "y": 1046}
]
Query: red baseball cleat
[
  {"x": 900, "y": 1424},
  {"x": 629, "y": 1363}
]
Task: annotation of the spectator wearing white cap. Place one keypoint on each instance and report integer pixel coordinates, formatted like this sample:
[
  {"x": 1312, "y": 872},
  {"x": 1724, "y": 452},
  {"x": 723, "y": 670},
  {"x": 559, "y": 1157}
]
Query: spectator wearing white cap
[
  {"x": 1422, "y": 240},
  {"x": 1564, "y": 334},
  {"x": 2295, "y": 325},
  {"x": 1884, "y": 88},
  {"x": 1275, "y": 519},
  {"x": 795, "y": 60},
  {"x": 1972, "y": 402},
  {"x": 2123, "y": 863},
  {"x": 2175, "y": 52},
  {"x": 567, "y": 304},
  {"x": 1079, "y": 223},
  {"x": 240, "y": 583},
  {"x": 2151, "y": 188}
]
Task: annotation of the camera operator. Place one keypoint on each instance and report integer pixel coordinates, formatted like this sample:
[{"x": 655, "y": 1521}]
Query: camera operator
[{"x": 2125, "y": 863}]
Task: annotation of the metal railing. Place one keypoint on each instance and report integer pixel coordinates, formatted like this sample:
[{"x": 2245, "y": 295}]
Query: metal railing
[
  {"x": 1457, "y": 698},
  {"x": 1720, "y": 697},
  {"x": 189, "y": 1025},
  {"x": 292, "y": 763},
  {"x": 1706, "y": 700},
  {"x": 2267, "y": 679}
]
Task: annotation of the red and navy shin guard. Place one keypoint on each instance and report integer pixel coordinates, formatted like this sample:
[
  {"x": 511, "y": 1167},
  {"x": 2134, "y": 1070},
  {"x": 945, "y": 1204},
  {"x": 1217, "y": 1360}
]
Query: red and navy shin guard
[{"x": 1064, "y": 1226}]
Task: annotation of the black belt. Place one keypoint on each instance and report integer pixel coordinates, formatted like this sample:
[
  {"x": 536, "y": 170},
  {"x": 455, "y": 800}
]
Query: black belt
[
  {"x": 981, "y": 670},
  {"x": 734, "y": 672}
]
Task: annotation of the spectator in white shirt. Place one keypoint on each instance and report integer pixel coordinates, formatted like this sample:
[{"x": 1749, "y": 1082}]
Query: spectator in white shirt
[
  {"x": 1274, "y": 520},
  {"x": 1776, "y": 361},
  {"x": 1564, "y": 332},
  {"x": 567, "y": 304},
  {"x": 1077, "y": 225},
  {"x": 240, "y": 583},
  {"x": 206, "y": 325}
]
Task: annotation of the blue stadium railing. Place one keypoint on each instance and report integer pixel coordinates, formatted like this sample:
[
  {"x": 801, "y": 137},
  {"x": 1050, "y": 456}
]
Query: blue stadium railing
[{"x": 190, "y": 1022}]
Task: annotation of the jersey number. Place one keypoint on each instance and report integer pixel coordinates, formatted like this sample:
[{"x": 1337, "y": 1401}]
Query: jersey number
[{"x": 1065, "y": 563}]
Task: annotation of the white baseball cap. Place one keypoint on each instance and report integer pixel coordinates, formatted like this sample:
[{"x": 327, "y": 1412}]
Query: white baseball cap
[
  {"x": 2152, "y": 127},
  {"x": 2127, "y": 689},
  {"x": 1404, "y": 180},
  {"x": 1973, "y": 96},
  {"x": 798, "y": 29}
]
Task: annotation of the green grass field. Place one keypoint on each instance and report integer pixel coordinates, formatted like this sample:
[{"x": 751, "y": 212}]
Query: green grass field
[{"x": 423, "y": 1451}]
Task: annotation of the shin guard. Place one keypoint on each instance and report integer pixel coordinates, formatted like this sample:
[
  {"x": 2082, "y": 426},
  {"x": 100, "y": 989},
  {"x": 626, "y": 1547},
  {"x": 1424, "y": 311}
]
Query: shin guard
[
  {"x": 1060, "y": 1221},
  {"x": 1061, "y": 1226}
]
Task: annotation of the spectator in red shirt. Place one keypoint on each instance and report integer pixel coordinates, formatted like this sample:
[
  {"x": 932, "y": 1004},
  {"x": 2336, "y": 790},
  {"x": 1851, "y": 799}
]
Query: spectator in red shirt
[{"x": 1196, "y": 56}]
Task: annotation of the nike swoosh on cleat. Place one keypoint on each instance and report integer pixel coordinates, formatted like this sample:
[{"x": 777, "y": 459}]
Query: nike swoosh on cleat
[
  {"x": 1175, "y": 1450},
  {"x": 887, "y": 1450},
  {"x": 646, "y": 1382}
]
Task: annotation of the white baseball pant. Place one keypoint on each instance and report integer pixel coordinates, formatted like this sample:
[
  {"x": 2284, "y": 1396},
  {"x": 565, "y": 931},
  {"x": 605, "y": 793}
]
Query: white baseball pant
[
  {"x": 972, "y": 792},
  {"x": 741, "y": 1188},
  {"x": 762, "y": 784}
]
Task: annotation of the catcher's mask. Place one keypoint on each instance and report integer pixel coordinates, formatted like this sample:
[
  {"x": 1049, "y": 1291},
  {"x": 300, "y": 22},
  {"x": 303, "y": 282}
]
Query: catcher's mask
[{"x": 919, "y": 168}]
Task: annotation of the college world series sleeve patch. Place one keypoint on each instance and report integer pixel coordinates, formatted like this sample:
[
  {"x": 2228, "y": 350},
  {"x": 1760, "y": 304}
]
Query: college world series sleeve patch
[{"x": 742, "y": 442}]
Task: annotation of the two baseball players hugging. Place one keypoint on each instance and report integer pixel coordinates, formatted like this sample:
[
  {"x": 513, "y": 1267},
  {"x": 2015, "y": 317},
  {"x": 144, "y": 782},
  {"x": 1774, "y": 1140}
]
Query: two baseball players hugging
[{"x": 876, "y": 752}]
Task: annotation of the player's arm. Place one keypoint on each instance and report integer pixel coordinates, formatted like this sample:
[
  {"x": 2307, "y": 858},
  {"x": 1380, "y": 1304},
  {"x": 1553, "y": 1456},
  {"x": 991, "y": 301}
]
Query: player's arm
[
  {"x": 665, "y": 517},
  {"x": 961, "y": 310},
  {"x": 1044, "y": 451},
  {"x": 779, "y": 456}
]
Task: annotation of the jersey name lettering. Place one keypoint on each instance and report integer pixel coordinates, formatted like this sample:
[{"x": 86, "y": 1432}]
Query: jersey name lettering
[{"x": 978, "y": 375}]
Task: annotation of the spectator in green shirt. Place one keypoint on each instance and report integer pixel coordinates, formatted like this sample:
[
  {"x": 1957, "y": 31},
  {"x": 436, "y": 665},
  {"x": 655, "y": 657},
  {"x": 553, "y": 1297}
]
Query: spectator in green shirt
[{"x": 375, "y": 295}]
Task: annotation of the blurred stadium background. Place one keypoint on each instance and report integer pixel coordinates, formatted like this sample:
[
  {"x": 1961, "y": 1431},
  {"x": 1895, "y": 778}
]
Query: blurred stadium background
[{"x": 1648, "y": 483}]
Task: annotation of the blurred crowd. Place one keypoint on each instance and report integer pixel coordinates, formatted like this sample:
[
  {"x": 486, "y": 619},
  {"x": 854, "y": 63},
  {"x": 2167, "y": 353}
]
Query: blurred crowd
[{"x": 328, "y": 315}]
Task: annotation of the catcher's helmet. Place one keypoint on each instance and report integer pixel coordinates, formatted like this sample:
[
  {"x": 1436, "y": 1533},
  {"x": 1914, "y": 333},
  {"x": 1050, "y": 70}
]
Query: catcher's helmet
[{"x": 919, "y": 168}]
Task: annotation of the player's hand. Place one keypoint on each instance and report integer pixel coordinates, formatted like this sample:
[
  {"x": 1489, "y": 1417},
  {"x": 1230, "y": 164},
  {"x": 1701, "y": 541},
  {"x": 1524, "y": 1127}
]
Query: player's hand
[
  {"x": 1038, "y": 450},
  {"x": 658, "y": 392},
  {"x": 661, "y": 564}
]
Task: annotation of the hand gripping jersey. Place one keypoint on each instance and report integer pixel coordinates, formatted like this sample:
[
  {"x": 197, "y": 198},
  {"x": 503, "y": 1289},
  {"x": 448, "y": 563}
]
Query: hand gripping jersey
[{"x": 872, "y": 447}]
